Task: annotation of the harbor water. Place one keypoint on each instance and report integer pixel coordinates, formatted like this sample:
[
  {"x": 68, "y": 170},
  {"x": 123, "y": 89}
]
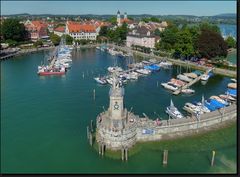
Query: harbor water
[{"x": 44, "y": 120}]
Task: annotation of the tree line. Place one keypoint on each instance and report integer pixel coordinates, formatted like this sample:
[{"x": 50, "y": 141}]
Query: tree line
[{"x": 203, "y": 40}]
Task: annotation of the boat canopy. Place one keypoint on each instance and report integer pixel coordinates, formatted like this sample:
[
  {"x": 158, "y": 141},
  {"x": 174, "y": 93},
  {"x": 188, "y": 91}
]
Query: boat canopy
[
  {"x": 210, "y": 107},
  {"x": 216, "y": 103},
  {"x": 152, "y": 67},
  {"x": 232, "y": 92}
]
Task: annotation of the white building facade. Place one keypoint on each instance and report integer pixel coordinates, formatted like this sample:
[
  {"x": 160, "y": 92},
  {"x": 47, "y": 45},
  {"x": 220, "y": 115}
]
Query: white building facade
[{"x": 81, "y": 31}]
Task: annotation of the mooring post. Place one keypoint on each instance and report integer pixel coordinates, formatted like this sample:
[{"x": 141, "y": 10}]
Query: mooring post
[
  {"x": 122, "y": 154},
  {"x": 157, "y": 83},
  {"x": 165, "y": 157},
  {"x": 102, "y": 149},
  {"x": 87, "y": 132},
  {"x": 213, "y": 157},
  {"x": 126, "y": 154},
  {"x": 99, "y": 148},
  {"x": 91, "y": 125},
  {"x": 90, "y": 139},
  {"x": 93, "y": 94}
]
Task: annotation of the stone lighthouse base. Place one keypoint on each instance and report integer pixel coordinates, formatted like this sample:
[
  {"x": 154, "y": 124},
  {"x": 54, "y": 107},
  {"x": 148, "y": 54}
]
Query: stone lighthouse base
[{"x": 114, "y": 138}]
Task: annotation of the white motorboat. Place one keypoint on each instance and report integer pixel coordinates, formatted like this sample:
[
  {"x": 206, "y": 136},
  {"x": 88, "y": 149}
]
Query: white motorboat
[
  {"x": 191, "y": 108},
  {"x": 188, "y": 91},
  {"x": 143, "y": 71},
  {"x": 113, "y": 69},
  {"x": 173, "y": 112},
  {"x": 165, "y": 64},
  {"x": 204, "y": 77},
  {"x": 227, "y": 97},
  {"x": 234, "y": 80},
  {"x": 169, "y": 86},
  {"x": 100, "y": 80},
  {"x": 184, "y": 78}
]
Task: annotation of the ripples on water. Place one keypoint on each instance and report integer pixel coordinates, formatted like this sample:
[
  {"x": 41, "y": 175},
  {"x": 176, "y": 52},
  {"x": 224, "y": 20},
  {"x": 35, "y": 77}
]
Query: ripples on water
[{"x": 44, "y": 119}]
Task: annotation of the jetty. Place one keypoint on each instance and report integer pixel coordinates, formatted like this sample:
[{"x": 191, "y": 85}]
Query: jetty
[{"x": 190, "y": 83}]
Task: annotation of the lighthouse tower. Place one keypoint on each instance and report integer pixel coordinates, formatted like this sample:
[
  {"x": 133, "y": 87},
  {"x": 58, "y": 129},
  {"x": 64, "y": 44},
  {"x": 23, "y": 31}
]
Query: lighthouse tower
[
  {"x": 116, "y": 127},
  {"x": 118, "y": 18}
]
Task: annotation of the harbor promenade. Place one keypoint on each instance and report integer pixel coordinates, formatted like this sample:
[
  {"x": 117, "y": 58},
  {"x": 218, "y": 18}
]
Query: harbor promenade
[{"x": 189, "y": 64}]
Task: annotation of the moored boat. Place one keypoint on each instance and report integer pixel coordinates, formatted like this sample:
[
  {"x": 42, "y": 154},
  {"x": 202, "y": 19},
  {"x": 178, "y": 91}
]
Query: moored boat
[
  {"x": 188, "y": 91},
  {"x": 100, "y": 80},
  {"x": 170, "y": 86},
  {"x": 205, "y": 77},
  {"x": 173, "y": 112}
]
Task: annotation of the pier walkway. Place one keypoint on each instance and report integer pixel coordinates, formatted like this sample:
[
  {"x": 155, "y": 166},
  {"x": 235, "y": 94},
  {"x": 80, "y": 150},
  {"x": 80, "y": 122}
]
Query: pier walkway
[{"x": 190, "y": 83}]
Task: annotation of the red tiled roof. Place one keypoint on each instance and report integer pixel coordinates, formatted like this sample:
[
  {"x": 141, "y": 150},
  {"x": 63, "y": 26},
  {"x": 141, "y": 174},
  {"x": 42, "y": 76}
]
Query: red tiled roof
[
  {"x": 60, "y": 29},
  {"x": 77, "y": 27},
  {"x": 126, "y": 21}
]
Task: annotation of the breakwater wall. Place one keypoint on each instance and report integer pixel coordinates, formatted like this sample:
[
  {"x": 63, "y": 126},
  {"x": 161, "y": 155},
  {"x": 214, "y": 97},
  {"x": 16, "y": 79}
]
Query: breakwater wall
[
  {"x": 189, "y": 64},
  {"x": 149, "y": 131}
]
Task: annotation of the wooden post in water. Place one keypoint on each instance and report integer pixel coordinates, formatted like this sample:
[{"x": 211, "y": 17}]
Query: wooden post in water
[
  {"x": 213, "y": 157},
  {"x": 99, "y": 148},
  {"x": 157, "y": 83},
  {"x": 90, "y": 139},
  {"x": 102, "y": 149},
  {"x": 91, "y": 125},
  {"x": 122, "y": 154},
  {"x": 126, "y": 154},
  {"x": 165, "y": 157},
  {"x": 87, "y": 132},
  {"x": 94, "y": 94}
]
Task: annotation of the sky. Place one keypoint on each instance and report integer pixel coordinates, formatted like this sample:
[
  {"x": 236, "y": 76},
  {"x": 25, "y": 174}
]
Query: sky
[{"x": 198, "y": 8}]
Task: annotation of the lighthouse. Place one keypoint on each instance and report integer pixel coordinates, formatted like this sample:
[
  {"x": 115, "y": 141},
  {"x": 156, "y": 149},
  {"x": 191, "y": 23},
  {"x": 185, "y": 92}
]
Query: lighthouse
[{"x": 116, "y": 127}]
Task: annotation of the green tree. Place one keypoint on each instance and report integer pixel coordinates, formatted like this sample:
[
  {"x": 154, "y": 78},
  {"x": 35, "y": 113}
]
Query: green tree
[
  {"x": 210, "y": 44},
  {"x": 38, "y": 43},
  {"x": 231, "y": 42},
  {"x": 113, "y": 20},
  {"x": 169, "y": 37},
  {"x": 157, "y": 32},
  {"x": 154, "y": 19},
  {"x": 55, "y": 39},
  {"x": 13, "y": 29},
  {"x": 184, "y": 46},
  {"x": 103, "y": 31},
  {"x": 211, "y": 27},
  {"x": 69, "y": 39},
  {"x": 11, "y": 42}
]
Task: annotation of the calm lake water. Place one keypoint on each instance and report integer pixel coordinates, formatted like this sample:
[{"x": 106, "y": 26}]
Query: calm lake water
[
  {"x": 44, "y": 119},
  {"x": 227, "y": 30}
]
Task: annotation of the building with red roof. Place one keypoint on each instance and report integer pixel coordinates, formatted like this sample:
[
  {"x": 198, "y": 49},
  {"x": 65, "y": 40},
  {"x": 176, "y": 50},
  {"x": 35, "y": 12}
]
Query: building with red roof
[
  {"x": 36, "y": 29},
  {"x": 81, "y": 31},
  {"x": 59, "y": 30}
]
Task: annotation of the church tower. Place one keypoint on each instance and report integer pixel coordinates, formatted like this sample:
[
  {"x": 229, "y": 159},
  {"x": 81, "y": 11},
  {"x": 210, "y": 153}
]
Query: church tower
[
  {"x": 118, "y": 18},
  {"x": 125, "y": 15}
]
